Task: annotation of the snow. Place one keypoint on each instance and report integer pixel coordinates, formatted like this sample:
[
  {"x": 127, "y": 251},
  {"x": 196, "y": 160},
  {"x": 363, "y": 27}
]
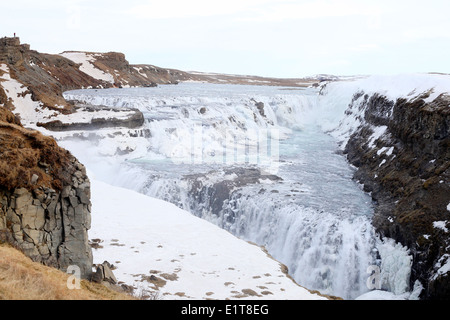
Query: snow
[
  {"x": 408, "y": 86},
  {"x": 143, "y": 236},
  {"x": 377, "y": 133},
  {"x": 440, "y": 225},
  {"x": 28, "y": 110},
  {"x": 395, "y": 266},
  {"x": 385, "y": 149},
  {"x": 381, "y": 295},
  {"x": 443, "y": 266},
  {"x": 86, "y": 116},
  {"x": 448, "y": 207},
  {"x": 139, "y": 69},
  {"x": 87, "y": 66},
  {"x": 172, "y": 113},
  {"x": 386, "y": 295}
]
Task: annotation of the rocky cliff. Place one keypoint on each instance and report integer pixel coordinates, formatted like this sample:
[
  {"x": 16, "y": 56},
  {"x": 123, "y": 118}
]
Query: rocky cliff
[
  {"x": 38, "y": 80},
  {"x": 44, "y": 198},
  {"x": 402, "y": 152}
]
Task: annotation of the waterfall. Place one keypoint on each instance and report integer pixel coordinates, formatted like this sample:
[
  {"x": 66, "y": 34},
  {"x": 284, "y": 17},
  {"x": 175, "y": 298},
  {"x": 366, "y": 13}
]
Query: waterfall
[{"x": 304, "y": 208}]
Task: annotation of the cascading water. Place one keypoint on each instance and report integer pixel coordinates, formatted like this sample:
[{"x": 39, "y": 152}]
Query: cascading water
[{"x": 298, "y": 199}]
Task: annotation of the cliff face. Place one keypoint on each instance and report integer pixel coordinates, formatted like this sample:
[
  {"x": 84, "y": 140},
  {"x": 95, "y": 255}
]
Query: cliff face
[
  {"x": 43, "y": 76},
  {"x": 116, "y": 71},
  {"x": 44, "y": 198},
  {"x": 402, "y": 151},
  {"x": 41, "y": 79},
  {"x": 44, "y": 190}
]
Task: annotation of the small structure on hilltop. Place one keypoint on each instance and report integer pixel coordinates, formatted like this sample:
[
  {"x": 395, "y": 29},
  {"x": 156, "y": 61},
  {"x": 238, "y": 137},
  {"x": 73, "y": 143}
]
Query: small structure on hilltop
[{"x": 13, "y": 42}]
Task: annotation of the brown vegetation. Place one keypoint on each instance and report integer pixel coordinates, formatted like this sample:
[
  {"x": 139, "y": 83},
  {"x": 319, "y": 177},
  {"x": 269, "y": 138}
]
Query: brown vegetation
[
  {"x": 23, "y": 279},
  {"x": 24, "y": 153}
]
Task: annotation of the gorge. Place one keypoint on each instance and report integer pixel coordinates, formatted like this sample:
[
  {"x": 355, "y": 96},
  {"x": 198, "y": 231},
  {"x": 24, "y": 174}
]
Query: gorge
[{"x": 300, "y": 200}]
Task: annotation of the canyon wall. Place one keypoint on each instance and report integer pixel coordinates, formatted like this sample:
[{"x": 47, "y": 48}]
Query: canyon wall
[
  {"x": 44, "y": 198},
  {"x": 402, "y": 154}
]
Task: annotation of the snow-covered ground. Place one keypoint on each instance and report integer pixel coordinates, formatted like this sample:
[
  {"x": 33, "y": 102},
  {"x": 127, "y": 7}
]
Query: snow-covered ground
[{"x": 159, "y": 248}]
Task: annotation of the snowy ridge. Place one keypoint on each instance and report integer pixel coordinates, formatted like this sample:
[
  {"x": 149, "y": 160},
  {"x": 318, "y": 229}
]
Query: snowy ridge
[
  {"x": 29, "y": 111},
  {"x": 86, "y": 60}
]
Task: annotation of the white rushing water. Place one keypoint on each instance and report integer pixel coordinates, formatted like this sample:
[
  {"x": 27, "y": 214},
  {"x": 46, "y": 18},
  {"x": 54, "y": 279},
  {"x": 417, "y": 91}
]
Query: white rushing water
[{"x": 313, "y": 218}]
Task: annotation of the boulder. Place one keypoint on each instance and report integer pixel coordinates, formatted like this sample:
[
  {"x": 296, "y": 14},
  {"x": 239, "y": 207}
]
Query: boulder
[{"x": 104, "y": 274}]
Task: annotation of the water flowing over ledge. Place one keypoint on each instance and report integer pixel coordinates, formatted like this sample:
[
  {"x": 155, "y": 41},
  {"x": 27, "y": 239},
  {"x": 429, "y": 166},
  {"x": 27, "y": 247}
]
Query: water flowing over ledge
[{"x": 304, "y": 207}]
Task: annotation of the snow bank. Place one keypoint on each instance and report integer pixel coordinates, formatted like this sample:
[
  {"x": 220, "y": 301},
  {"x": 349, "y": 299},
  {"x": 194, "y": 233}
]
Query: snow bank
[
  {"x": 154, "y": 244},
  {"x": 87, "y": 66}
]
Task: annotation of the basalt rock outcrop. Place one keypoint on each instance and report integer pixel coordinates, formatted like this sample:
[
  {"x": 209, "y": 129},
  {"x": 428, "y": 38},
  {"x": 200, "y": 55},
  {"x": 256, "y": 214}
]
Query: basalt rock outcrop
[
  {"x": 126, "y": 118},
  {"x": 212, "y": 195},
  {"x": 44, "y": 198},
  {"x": 402, "y": 152}
]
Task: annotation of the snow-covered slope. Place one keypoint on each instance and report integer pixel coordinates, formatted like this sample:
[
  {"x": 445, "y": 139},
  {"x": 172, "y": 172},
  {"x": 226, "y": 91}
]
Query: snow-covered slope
[
  {"x": 29, "y": 111},
  {"x": 87, "y": 65},
  {"x": 171, "y": 254}
]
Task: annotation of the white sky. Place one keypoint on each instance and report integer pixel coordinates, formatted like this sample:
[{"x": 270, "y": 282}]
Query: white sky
[{"x": 279, "y": 38}]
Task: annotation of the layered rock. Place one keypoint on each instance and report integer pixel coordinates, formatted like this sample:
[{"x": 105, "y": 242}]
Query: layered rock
[
  {"x": 44, "y": 76},
  {"x": 44, "y": 198},
  {"x": 402, "y": 151},
  {"x": 212, "y": 195},
  {"x": 96, "y": 117}
]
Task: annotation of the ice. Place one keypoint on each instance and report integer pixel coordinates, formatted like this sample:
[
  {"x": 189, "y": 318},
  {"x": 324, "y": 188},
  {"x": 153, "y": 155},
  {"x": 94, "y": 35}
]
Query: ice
[
  {"x": 29, "y": 111},
  {"x": 443, "y": 266},
  {"x": 387, "y": 295},
  {"x": 395, "y": 266},
  {"x": 440, "y": 225}
]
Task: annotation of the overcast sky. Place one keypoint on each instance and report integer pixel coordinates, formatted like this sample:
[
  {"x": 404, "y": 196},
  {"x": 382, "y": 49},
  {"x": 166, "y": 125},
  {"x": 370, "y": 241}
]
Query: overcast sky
[{"x": 283, "y": 38}]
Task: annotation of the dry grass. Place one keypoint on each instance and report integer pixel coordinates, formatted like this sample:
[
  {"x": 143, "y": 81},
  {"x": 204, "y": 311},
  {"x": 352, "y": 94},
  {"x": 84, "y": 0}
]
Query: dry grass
[
  {"x": 22, "y": 153},
  {"x": 23, "y": 279}
]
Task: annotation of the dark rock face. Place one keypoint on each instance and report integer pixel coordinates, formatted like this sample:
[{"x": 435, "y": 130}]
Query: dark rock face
[
  {"x": 133, "y": 119},
  {"x": 406, "y": 169},
  {"x": 45, "y": 207},
  {"x": 50, "y": 226},
  {"x": 212, "y": 196}
]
